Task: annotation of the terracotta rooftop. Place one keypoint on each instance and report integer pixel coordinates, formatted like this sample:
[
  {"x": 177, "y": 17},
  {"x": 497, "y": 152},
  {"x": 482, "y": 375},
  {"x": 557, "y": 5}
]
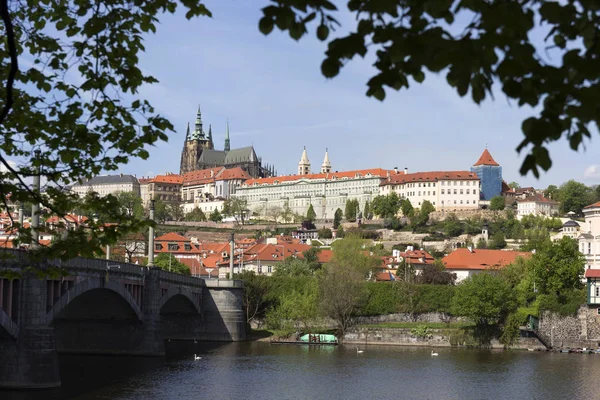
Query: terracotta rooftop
[
  {"x": 432, "y": 176},
  {"x": 169, "y": 178},
  {"x": 592, "y": 273},
  {"x": 537, "y": 198},
  {"x": 232, "y": 173},
  {"x": 382, "y": 173},
  {"x": 486, "y": 159},
  {"x": 481, "y": 258},
  {"x": 597, "y": 204},
  {"x": 171, "y": 237}
]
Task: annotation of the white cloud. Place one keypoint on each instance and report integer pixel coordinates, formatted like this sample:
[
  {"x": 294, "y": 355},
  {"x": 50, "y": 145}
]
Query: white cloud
[
  {"x": 592, "y": 172},
  {"x": 11, "y": 163}
]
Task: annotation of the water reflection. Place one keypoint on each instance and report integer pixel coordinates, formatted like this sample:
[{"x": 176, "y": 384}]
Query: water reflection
[{"x": 264, "y": 371}]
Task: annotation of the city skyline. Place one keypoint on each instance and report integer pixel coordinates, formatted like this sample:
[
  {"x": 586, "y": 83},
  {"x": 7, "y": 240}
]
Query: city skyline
[{"x": 273, "y": 94}]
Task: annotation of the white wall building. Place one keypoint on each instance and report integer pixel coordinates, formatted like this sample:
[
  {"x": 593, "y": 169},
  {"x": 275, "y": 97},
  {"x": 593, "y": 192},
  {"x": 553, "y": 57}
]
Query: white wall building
[
  {"x": 108, "y": 184},
  {"x": 537, "y": 205},
  {"x": 207, "y": 188},
  {"x": 589, "y": 237},
  {"x": 326, "y": 192},
  {"x": 446, "y": 190}
]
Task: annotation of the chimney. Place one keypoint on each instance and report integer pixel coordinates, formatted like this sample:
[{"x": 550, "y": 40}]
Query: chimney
[
  {"x": 470, "y": 248},
  {"x": 395, "y": 170},
  {"x": 405, "y": 170}
]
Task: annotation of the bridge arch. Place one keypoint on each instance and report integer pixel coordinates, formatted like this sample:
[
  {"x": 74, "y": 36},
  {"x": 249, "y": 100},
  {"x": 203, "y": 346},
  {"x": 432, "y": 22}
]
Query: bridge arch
[
  {"x": 8, "y": 325},
  {"x": 175, "y": 291},
  {"x": 87, "y": 286}
]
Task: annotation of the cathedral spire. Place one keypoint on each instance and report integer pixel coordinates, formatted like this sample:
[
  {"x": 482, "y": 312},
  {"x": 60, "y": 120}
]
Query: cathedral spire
[
  {"x": 198, "y": 132},
  {"x": 227, "y": 142},
  {"x": 187, "y": 133},
  {"x": 326, "y": 166},
  {"x": 210, "y": 133}
]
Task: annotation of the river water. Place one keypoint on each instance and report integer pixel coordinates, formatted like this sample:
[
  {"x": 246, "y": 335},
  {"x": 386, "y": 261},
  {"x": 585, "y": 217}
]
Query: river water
[{"x": 257, "y": 371}]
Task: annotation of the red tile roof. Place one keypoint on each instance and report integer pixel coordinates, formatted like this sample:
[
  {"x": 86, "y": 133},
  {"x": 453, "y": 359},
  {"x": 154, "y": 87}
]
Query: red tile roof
[
  {"x": 597, "y": 204},
  {"x": 169, "y": 178},
  {"x": 328, "y": 176},
  {"x": 479, "y": 259},
  {"x": 233, "y": 173},
  {"x": 537, "y": 198},
  {"x": 486, "y": 159},
  {"x": 432, "y": 176},
  {"x": 592, "y": 273},
  {"x": 201, "y": 176},
  {"x": 171, "y": 237}
]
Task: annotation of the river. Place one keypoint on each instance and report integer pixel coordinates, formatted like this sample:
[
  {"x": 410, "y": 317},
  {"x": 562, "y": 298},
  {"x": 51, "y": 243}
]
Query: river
[{"x": 261, "y": 371}]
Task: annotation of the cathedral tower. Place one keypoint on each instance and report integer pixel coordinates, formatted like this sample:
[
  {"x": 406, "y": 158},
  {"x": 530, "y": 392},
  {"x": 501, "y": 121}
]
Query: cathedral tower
[
  {"x": 326, "y": 166},
  {"x": 304, "y": 164},
  {"x": 227, "y": 143}
]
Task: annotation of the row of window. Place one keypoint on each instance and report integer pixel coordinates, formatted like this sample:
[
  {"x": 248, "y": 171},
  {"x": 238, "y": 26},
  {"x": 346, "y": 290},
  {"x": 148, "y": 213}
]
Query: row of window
[{"x": 432, "y": 193}]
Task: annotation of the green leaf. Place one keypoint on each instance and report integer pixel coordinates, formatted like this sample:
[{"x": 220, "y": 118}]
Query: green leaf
[
  {"x": 322, "y": 32},
  {"x": 330, "y": 67},
  {"x": 265, "y": 25}
]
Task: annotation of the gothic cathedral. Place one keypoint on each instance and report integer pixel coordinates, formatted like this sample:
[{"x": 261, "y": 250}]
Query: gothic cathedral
[{"x": 199, "y": 153}]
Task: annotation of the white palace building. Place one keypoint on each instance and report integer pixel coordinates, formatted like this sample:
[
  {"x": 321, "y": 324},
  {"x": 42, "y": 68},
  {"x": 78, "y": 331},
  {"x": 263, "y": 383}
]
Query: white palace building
[{"x": 327, "y": 191}]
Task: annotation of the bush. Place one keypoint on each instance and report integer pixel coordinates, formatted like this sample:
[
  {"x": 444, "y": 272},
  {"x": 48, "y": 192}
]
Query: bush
[{"x": 564, "y": 304}]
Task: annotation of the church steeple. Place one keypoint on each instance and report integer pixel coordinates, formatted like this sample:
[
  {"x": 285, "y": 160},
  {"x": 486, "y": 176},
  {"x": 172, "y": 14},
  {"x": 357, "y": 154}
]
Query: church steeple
[
  {"x": 326, "y": 166},
  {"x": 198, "y": 131},
  {"x": 187, "y": 133},
  {"x": 210, "y": 141},
  {"x": 227, "y": 143},
  {"x": 304, "y": 164}
]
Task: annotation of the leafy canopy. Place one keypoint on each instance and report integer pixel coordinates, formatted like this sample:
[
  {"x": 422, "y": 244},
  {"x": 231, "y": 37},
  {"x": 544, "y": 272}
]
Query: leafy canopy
[{"x": 477, "y": 44}]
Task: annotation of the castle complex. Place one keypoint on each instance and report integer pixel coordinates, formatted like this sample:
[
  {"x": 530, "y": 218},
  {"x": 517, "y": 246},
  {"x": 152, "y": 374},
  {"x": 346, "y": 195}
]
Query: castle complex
[{"x": 199, "y": 153}]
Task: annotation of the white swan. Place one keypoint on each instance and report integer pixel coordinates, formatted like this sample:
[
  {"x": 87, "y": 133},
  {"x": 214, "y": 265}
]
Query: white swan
[
  {"x": 196, "y": 358},
  {"x": 434, "y": 353},
  {"x": 359, "y": 351}
]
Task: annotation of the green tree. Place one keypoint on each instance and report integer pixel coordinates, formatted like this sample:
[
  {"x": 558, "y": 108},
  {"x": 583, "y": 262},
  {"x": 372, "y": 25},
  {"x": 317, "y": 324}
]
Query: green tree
[
  {"x": 237, "y": 208},
  {"x": 497, "y": 203},
  {"x": 514, "y": 185},
  {"x": 350, "y": 252},
  {"x": 495, "y": 34},
  {"x": 452, "y": 226},
  {"x": 216, "y": 216},
  {"x": 552, "y": 192},
  {"x": 325, "y": 233},
  {"x": 293, "y": 267},
  {"x": 71, "y": 85},
  {"x": 486, "y": 299},
  {"x": 287, "y": 214},
  {"x": 340, "y": 232},
  {"x": 386, "y": 206},
  {"x": 422, "y": 217},
  {"x": 255, "y": 297},
  {"x": 161, "y": 211},
  {"x": 436, "y": 274},
  {"x": 131, "y": 204},
  {"x": 574, "y": 196},
  {"x": 481, "y": 244},
  {"x": 557, "y": 266},
  {"x": 497, "y": 241},
  {"x": 311, "y": 256},
  {"x": 407, "y": 208},
  {"x": 169, "y": 262},
  {"x": 195, "y": 215},
  {"x": 337, "y": 218},
  {"x": 351, "y": 210},
  {"x": 175, "y": 211},
  {"x": 367, "y": 211},
  {"x": 311, "y": 215}
]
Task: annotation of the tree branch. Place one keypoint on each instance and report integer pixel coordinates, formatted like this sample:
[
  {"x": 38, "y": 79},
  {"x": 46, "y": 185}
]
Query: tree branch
[{"x": 14, "y": 62}]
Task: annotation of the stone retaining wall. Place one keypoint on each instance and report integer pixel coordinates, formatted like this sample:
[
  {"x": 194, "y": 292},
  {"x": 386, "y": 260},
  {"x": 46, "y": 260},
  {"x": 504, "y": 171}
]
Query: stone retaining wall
[{"x": 582, "y": 330}]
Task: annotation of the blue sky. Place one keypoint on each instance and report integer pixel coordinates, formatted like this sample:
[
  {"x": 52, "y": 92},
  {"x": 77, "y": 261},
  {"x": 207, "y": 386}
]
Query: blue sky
[{"x": 275, "y": 97}]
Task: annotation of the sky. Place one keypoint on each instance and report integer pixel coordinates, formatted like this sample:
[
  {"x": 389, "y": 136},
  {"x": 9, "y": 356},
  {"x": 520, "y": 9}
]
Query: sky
[{"x": 272, "y": 91}]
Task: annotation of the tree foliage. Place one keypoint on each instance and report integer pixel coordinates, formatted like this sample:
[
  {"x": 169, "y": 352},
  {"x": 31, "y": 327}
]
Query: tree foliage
[
  {"x": 574, "y": 196},
  {"x": 497, "y": 203},
  {"x": 195, "y": 215},
  {"x": 337, "y": 218},
  {"x": 311, "y": 215},
  {"x": 386, "y": 206},
  {"x": 70, "y": 107},
  {"x": 237, "y": 208},
  {"x": 215, "y": 216},
  {"x": 436, "y": 274},
  {"x": 410, "y": 38},
  {"x": 169, "y": 262},
  {"x": 352, "y": 210}
]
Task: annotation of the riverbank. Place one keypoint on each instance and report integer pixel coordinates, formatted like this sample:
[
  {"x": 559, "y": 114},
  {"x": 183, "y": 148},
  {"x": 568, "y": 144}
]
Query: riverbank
[{"x": 429, "y": 337}]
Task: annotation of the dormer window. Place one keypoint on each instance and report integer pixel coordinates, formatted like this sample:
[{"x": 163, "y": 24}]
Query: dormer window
[{"x": 158, "y": 246}]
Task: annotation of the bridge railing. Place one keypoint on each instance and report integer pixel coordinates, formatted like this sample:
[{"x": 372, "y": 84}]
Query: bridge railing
[{"x": 180, "y": 279}]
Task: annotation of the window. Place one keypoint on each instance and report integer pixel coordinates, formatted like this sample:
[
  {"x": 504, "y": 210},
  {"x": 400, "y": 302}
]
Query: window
[
  {"x": 468, "y": 190},
  {"x": 461, "y": 191},
  {"x": 597, "y": 291},
  {"x": 269, "y": 269},
  {"x": 173, "y": 247},
  {"x": 187, "y": 247},
  {"x": 260, "y": 269},
  {"x": 158, "y": 246},
  {"x": 442, "y": 191},
  {"x": 455, "y": 192}
]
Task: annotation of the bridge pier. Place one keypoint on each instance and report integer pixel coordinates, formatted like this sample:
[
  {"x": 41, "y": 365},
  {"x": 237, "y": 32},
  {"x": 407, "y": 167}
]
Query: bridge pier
[
  {"x": 30, "y": 361},
  {"x": 152, "y": 342}
]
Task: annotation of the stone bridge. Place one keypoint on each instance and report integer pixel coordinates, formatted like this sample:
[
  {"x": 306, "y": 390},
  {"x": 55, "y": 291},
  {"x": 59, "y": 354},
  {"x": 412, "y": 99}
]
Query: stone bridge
[{"x": 92, "y": 306}]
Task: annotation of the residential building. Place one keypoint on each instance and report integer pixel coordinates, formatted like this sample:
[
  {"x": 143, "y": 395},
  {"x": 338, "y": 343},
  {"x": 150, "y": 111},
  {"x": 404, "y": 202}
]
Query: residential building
[
  {"x": 570, "y": 228},
  {"x": 445, "y": 190},
  {"x": 326, "y": 192},
  {"x": 417, "y": 259},
  {"x": 144, "y": 193},
  {"x": 208, "y": 188},
  {"x": 108, "y": 184},
  {"x": 589, "y": 237},
  {"x": 465, "y": 262},
  {"x": 537, "y": 205},
  {"x": 490, "y": 175},
  {"x": 199, "y": 153},
  {"x": 165, "y": 187}
]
